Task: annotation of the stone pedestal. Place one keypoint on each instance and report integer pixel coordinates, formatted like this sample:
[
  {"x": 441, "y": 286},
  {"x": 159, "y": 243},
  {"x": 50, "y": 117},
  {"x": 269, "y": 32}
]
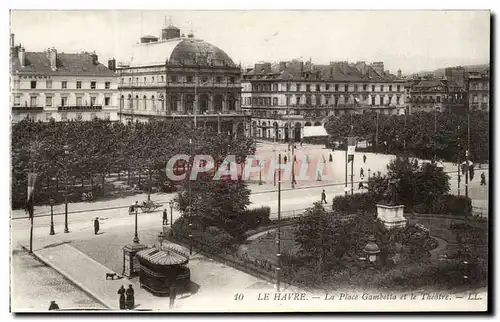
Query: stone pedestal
[
  {"x": 391, "y": 216},
  {"x": 130, "y": 262}
]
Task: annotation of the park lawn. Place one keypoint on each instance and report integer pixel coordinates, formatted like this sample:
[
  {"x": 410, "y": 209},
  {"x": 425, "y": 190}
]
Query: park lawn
[{"x": 264, "y": 247}]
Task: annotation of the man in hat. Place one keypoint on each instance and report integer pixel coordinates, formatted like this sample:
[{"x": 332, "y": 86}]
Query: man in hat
[
  {"x": 323, "y": 196},
  {"x": 96, "y": 225},
  {"x": 165, "y": 217}
]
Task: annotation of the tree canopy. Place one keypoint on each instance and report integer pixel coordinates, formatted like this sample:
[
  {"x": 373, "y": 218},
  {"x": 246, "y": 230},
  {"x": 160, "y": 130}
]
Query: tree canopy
[{"x": 449, "y": 141}]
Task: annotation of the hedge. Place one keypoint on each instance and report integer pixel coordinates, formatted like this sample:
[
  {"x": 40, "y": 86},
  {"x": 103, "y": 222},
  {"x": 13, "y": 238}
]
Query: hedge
[{"x": 367, "y": 202}]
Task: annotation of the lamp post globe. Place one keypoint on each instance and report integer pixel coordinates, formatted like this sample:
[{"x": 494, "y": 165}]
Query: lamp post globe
[{"x": 372, "y": 250}]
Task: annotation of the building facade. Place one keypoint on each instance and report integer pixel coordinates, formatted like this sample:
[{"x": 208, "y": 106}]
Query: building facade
[
  {"x": 433, "y": 94},
  {"x": 284, "y": 98},
  {"x": 50, "y": 85},
  {"x": 180, "y": 78},
  {"x": 479, "y": 91}
]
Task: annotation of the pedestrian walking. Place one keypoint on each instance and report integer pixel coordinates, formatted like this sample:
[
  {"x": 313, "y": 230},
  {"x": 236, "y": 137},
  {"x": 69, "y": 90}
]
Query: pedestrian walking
[
  {"x": 361, "y": 172},
  {"x": 483, "y": 179},
  {"x": 53, "y": 306},
  {"x": 121, "y": 300},
  {"x": 130, "y": 300},
  {"x": 323, "y": 197},
  {"x": 331, "y": 158},
  {"x": 165, "y": 217},
  {"x": 364, "y": 158},
  {"x": 172, "y": 294},
  {"x": 96, "y": 225},
  {"x": 285, "y": 159}
]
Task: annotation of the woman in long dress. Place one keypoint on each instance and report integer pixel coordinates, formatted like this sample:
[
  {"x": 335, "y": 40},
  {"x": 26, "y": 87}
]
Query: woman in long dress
[
  {"x": 130, "y": 297},
  {"x": 121, "y": 291}
]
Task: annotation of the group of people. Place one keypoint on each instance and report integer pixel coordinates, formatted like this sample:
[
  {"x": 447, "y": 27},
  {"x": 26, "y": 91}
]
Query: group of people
[{"x": 127, "y": 300}]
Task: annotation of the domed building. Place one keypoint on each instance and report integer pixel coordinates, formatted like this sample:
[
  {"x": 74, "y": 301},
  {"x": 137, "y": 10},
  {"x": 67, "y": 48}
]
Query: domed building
[{"x": 180, "y": 78}]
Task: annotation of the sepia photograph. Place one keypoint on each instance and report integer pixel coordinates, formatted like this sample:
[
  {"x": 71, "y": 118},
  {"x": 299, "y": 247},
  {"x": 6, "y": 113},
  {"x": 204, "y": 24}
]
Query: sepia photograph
[{"x": 249, "y": 161}]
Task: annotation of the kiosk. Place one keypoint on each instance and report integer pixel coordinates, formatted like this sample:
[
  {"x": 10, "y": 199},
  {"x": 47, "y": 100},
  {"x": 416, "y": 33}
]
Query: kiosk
[{"x": 161, "y": 269}]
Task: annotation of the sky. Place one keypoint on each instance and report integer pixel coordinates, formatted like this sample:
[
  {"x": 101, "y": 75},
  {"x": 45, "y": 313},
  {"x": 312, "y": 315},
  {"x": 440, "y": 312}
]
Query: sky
[{"x": 412, "y": 41}]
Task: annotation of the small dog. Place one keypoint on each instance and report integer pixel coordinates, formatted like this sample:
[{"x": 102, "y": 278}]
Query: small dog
[{"x": 112, "y": 275}]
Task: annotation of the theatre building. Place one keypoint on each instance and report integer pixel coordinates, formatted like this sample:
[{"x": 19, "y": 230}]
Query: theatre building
[{"x": 182, "y": 79}]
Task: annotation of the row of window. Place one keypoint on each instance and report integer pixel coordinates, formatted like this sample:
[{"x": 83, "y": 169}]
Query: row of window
[
  {"x": 64, "y": 84},
  {"x": 478, "y": 86},
  {"x": 266, "y": 101},
  {"x": 475, "y": 99},
  {"x": 176, "y": 79},
  {"x": 174, "y": 102},
  {"x": 318, "y": 87},
  {"x": 63, "y": 102}
]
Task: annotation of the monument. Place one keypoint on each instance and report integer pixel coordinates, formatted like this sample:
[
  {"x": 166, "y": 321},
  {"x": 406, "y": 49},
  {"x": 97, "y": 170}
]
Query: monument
[{"x": 388, "y": 211}]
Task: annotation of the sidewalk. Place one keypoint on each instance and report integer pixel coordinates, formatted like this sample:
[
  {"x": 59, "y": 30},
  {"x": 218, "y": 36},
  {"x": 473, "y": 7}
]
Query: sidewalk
[{"x": 211, "y": 279}]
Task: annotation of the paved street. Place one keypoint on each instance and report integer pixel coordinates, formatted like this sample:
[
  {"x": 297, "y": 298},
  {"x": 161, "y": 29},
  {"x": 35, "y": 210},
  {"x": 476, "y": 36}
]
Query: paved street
[{"x": 34, "y": 285}]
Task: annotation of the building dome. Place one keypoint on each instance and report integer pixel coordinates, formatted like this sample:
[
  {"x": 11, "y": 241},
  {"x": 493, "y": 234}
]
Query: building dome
[{"x": 180, "y": 51}]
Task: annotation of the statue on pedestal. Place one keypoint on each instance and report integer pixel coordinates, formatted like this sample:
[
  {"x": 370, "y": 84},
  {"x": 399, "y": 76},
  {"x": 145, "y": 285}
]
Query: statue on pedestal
[{"x": 391, "y": 193}]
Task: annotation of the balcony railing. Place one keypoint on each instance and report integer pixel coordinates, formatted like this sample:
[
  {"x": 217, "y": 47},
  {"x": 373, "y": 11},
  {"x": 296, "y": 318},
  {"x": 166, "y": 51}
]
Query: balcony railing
[
  {"x": 79, "y": 108},
  {"x": 27, "y": 108},
  {"x": 175, "y": 84}
]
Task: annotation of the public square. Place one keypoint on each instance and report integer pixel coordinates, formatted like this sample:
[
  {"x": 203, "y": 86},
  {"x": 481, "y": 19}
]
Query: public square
[{"x": 117, "y": 230}]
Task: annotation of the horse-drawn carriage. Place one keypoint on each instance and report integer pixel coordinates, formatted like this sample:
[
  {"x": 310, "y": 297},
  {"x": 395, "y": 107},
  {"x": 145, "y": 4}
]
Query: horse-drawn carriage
[{"x": 146, "y": 206}]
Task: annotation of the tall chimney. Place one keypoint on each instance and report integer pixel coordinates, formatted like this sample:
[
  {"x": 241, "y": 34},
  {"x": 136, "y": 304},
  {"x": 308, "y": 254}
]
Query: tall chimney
[
  {"x": 112, "y": 64},
  {"x": 53, "y": 58},
  {"x": 94, "y": 58},
  {"x": 22, "y": 56}
]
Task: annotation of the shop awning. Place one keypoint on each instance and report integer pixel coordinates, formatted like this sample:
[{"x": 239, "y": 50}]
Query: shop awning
[{"x": 314, "y": 131}]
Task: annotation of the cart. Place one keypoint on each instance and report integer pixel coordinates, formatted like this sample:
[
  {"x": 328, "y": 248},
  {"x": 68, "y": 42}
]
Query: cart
[{"x": 145, "y": 206}]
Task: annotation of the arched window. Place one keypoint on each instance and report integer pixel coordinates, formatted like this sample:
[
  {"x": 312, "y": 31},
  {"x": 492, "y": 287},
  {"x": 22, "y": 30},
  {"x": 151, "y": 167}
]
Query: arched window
[
  {"x": 153, "y": 102},
  {"x": 122, "y": 101},
  {"x": 136, "y": 101},
  {"x": 152, "y": 79},
  {"x": 144, "y": 100},
  {"x": 145, "y": 80},
  {"x": 162, "y": 79},
  {"x": 162, "y": 102}
]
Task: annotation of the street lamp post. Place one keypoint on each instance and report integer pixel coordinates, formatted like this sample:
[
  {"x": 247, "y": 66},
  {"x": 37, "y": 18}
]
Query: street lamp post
[
  {"x": 171, "y": 204},
  {"x": 66, "y": 153},
  {"x": 190, "y": 225},
  {"x": 218, "y": 123},
  {"x": 136, "y": 236},
  {"x": 52, "y": 232},
  {"x": 278, "y": 235},
  {"x": 458, "y": 161}
]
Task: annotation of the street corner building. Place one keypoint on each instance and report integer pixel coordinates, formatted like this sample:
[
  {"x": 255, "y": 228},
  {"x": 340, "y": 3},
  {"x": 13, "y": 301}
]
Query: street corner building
[
  {"x": 181, "y": 79},
  {"x": 287, "y": 98},
  {"x": 52, "y": 85}
]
